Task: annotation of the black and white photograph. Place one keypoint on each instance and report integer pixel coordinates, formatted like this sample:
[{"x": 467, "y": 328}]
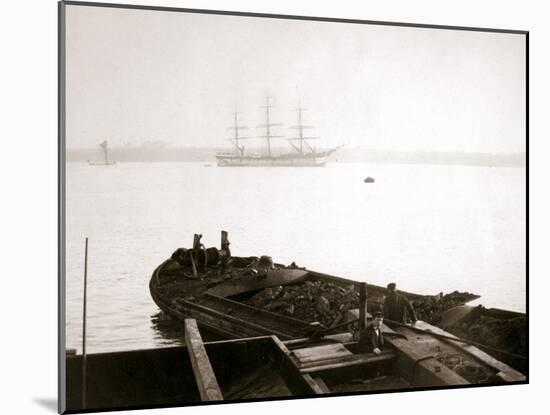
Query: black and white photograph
[{"x": 260, "y": 207}]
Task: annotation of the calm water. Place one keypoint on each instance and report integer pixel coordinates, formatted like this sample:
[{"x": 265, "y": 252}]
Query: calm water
[{"x": 428, "y": 228}]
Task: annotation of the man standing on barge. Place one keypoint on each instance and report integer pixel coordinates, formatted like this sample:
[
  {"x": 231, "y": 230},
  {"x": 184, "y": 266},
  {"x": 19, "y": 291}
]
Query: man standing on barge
[{"x": 396, "y": 306}]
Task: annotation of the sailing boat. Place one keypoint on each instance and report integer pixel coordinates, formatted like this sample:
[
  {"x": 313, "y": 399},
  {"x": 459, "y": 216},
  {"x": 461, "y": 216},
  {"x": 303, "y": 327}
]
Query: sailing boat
[
  {"x": 304, "y": 154},
  {"x": 106, "y": 161}
]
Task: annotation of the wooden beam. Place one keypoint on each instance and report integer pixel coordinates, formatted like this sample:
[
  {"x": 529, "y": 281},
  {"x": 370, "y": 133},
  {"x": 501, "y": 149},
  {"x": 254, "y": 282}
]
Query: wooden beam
[
  {"x": 297, "y": 383},
  {"x": 207, "y": 383},
  {"x": 319, "y": 353},
  {"x": 315, "y": 386},
  {"x": 322, "y": 384},
  {"x": 505, "y": 372},
  {"x": 349, "y": 361},
  {"x": 353, "y": 359},
  {"x": 362, "y": 315}
]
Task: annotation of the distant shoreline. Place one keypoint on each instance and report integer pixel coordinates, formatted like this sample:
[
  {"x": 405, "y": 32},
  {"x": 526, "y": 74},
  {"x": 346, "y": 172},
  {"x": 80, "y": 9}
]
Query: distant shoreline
[{"x": 345, "y": 155}]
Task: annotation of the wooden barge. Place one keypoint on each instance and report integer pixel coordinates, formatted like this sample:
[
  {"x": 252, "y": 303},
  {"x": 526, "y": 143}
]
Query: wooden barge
[
  {"x": 218, "y": 290},
  {"x": 265, "y": 367}
]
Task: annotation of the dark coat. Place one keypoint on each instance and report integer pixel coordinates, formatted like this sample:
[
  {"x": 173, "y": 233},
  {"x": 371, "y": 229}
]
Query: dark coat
[
  {"x": 372, "y": 340},
  {"x": 396, "y": 308}
]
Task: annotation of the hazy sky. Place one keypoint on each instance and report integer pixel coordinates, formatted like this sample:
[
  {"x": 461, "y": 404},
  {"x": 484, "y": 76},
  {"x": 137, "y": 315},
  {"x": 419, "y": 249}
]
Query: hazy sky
[{"x": 135, "y": 75}]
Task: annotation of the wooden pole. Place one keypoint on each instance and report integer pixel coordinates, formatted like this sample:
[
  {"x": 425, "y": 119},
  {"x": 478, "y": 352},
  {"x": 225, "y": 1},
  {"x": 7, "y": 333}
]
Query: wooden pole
[
  {"x": 225, "y": 243},
  {"x": 195, "y": 254},
  {"x": 362, "y": 313},
  {"x": 84, "y": 326},
  {"x": 207, "y": 384}
]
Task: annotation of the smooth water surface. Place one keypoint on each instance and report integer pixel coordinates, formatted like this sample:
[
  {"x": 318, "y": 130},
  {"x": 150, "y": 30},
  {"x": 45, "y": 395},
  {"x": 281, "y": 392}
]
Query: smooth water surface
[{"x": 429, "y": 228}]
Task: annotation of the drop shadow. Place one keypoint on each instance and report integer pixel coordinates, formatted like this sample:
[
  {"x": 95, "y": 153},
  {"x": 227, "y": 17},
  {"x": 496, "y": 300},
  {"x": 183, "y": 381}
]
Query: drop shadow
[{"x": 48, "y": 403}]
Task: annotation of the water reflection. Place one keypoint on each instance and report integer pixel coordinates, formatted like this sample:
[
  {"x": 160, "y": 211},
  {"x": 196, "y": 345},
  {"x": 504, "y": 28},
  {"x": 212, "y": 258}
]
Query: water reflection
[
  {"x": 167, "y": 331},
  {"x": 170, "y": 332}
]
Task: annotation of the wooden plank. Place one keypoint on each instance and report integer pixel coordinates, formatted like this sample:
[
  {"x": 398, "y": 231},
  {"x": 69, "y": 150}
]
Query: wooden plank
[
  {"x": 207, "y": 383},
  {"x": 239, "y": 341},
  {"x": 315, "y": 386},
  {"x": 245, "y": 284},
  {"x": 298, "y": 383},
  {"x": 505, "y": 372},
  {"x": 355, "y": 360},
  {"x": 230, "y": 321},
  {"x": 216, "y": 324},
  {"x": 300, "y": 324},
  {"x": 322, "y": 384},
  {"x": 362, "y": 358},
  {"x": 339, "y": 337},
  {"x": 418, "y": 364},
  {"x": 324, "y": 352},
  {"x": 281, "y": 346}
]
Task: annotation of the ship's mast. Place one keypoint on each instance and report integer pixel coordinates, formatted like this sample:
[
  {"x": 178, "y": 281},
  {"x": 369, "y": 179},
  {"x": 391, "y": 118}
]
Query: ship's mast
[
  {"x": 236, "y": 127},
  {"x": 301, "y": 138},
  {"x": 268, "y": 124},
  {"x": 301, "y": 128}
]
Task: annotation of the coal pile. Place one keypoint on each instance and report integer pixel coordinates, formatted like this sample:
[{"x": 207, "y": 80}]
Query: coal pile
[
  {"x": 509, "y": 335},
  {"x": 430, "y": 308},
  {"x": 324, "y": 302}
]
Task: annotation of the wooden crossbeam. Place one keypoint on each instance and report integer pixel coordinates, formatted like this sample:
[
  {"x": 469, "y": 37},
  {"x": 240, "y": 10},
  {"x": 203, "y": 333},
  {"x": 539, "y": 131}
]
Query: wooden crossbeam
[
  {"x": 207, "y": 384},
  {"x": 320, "y": 353},
  {"x": 347, "y": 361}
]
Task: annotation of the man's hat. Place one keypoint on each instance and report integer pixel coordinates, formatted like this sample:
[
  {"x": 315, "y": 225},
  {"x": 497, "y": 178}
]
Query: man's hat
[{"x": 391, "y": 286}]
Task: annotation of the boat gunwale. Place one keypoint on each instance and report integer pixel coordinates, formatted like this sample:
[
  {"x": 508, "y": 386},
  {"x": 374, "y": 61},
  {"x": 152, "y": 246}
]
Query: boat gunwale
[
  {"x": 206, "y": 310},
  {"x": 180, "y": 316},
  {"x": 311, "y": 276},
  {"x": 260, "y": 311},
  {"x": 267, "y": 313}
]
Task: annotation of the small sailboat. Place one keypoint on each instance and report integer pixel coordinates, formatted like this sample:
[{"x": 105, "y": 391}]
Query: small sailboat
[{"x": 106, "y": 161}]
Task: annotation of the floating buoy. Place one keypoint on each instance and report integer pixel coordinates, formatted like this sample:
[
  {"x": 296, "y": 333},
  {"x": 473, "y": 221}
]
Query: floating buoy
[{"x": 369, "y": 180}]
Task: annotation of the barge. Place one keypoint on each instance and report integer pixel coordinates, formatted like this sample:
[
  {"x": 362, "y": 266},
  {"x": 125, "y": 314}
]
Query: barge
[
  {"x": 237, "y": 297},
  {"x": 265, "y": 367},
  {"x": 241, "y": 297}
]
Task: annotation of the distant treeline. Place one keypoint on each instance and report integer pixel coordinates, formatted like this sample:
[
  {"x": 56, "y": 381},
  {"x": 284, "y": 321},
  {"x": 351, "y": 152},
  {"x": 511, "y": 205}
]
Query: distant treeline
[{"x": 355, "y": 154}]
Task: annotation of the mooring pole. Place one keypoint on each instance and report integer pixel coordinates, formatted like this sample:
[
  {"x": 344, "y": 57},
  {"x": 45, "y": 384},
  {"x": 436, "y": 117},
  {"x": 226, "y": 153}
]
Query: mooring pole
[
  {"x": 362, "y": 314},
  {"x": 84, "y": 326}
]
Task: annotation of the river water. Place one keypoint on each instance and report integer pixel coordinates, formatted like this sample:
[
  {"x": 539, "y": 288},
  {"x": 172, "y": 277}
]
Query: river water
[{"x": 428, "y": 228}]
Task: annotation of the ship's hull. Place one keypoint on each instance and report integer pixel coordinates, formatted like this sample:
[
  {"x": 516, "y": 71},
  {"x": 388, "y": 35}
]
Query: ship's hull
[
  {"x": 290, "y": 160},
  {"x": 208, "y": 298}
]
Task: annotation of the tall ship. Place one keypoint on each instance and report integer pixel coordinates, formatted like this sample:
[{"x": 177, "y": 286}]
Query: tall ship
[{"x": 303, "y": 154}]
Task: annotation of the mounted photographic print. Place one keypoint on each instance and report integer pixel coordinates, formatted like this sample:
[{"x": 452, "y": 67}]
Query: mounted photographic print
[{"x": 259, "y": 207}]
